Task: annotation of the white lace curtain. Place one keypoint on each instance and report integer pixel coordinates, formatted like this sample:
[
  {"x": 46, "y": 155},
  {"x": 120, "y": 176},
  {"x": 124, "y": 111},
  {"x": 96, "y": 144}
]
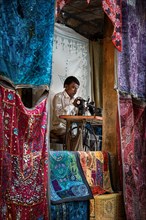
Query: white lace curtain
[{"x": 70, "y": 57}]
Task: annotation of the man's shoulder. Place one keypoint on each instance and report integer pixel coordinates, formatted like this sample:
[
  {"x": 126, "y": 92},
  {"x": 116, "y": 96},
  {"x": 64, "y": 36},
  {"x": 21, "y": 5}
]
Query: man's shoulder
[{"x": 59, "y": 94}]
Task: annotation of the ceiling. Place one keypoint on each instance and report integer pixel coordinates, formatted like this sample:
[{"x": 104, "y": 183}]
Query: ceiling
[{"x": 86, "y": 19}]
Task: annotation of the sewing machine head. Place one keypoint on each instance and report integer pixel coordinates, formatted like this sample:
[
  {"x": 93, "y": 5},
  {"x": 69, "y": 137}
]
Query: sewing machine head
[{"x": 87, "y": 107}]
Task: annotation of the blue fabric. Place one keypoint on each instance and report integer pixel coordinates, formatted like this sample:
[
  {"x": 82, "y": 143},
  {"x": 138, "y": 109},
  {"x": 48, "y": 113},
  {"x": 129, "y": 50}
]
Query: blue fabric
[
  {"x": 70, "y": 211},
  {"x": 26, "y": 41},
  {"x": 67, "y": 180}
]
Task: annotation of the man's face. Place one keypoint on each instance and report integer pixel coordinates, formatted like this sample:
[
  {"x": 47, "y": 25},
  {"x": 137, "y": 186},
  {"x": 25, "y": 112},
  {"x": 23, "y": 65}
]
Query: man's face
[{"x": 71, "y": 89}]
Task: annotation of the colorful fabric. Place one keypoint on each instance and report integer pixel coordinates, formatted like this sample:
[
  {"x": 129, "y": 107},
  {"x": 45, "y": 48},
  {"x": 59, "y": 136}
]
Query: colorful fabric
[
  {"x": 131, "y": 61},
  {"x": 59, "y": 5},
  {"x": 67, "y": 180},
  {"x": 133, "y": 149},
  {"x": 23, "y": 156},
  {"x": 26, "y": 41},
  {"x": 95, "y": 165},
  {"x": 70, "y": 211},
  {"x": 113, "y": 9}
]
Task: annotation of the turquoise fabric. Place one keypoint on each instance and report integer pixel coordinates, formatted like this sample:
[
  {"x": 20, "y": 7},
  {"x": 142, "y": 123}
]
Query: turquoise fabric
[
  {"x": 67, "y": 180},
  {"x": 70, "y": 211},
  {"x": 26, "y": 41}
]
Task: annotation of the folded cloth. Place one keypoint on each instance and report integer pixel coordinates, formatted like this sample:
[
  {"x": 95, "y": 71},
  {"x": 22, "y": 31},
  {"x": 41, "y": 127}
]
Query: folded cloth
[
  {"x": 70, "y": 211},
  {"x": 107, "y": 207},
  {"x": 67, "y": 180}
]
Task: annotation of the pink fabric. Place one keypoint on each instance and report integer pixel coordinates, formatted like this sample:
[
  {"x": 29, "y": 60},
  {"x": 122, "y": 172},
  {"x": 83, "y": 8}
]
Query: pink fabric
[
  {"x": 114, "y": 11},
  {"x": 23, "y": 156},
  {"x": 59, "y": 5},
  {"x": 133, "y": 149}
]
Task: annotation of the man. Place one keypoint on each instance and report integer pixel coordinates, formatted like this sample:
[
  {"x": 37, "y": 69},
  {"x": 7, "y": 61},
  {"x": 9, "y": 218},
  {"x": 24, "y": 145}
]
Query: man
[{"x": 63, "y": 104}]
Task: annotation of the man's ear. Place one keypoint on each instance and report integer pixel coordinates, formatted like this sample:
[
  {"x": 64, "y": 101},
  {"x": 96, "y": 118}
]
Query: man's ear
[{"x": 66, "y": 86}]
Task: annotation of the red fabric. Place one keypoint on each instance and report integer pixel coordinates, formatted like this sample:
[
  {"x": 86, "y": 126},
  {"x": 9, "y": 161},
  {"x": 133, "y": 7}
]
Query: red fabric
[
  {"x": 59, "y": 5},
  {"x": 133, "y": 149},
  {"x": 23, "y": 156},
  {"x": 113, "y": 10}
]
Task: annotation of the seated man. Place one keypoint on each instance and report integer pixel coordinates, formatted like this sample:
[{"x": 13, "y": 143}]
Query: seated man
[{"x": 63, "y": 104}]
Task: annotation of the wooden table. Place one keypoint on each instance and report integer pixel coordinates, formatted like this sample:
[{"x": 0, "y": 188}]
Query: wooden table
[{"x": 75, "y": 139}]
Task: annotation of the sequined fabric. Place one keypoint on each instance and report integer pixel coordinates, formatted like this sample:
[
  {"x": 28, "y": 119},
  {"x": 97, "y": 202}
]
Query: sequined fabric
[
  {"x": 23, "y": 155},
  {"x": 26, "y": 41}
]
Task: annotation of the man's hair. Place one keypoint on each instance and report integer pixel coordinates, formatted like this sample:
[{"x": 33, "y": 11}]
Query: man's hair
[{"x": 71, "y": 79}]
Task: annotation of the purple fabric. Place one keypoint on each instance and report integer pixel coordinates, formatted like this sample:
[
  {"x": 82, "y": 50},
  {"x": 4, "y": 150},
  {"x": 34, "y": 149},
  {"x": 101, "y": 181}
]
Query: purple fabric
[{"x": 132, "y": 59}]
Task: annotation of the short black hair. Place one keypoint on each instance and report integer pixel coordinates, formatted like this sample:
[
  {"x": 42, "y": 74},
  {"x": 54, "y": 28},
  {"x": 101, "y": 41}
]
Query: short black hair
[{"x": 71, "y": 79}]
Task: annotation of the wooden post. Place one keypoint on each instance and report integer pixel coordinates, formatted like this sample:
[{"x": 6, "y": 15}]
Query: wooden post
[{"x": 109, "y": 94}]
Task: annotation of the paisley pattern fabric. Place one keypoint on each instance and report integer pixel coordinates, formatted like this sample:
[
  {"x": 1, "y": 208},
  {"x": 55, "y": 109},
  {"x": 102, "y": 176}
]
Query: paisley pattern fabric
[
  {"x": 26, "y": 41},
  {"x": 67, "y": 181},
  {"x": 23, "y": 156},
  {"x": 95, "y": 165},
  {"x": 132, "y": 59},
  {"x": 133, "y": 149},
  {"x": 113, "y": 9},
  {"x": 70, "y": 211}
]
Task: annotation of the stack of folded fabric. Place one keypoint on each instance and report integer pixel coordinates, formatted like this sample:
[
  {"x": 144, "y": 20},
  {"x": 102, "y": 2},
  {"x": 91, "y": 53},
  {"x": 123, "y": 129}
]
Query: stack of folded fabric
[
  {"x": 69, "y": 189},
  {"x": 107, "y": 207}
]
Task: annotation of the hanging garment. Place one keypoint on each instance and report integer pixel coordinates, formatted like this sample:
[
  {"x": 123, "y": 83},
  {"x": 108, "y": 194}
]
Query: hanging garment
[
  {"x": 26, "y": 41},
  {"x": 133, "y": 149},
  {"x": 95, "y": 165},
  {"x": 23, "y": 156},
  {"x": 113, "y": 9},
  {"x": 132, "y": 59},
  {"x": 67, "y": 180}
]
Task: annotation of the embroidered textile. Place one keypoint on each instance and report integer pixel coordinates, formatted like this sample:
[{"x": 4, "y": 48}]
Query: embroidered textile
[
  {"x": 131, "y": 61},
  {"x": 67, "y": 180},
  {"x": 95, "y": 165},
  {"x": 114, "y": 11},
  {"x": 59, "y": 5},
  {"x": 23, "y": 155},
  {"x": 26, "y": 41},
  {"x": 133, "y": 149},
  {"x": 107, "y": 207},
  {"x": 70, "y": 211}
]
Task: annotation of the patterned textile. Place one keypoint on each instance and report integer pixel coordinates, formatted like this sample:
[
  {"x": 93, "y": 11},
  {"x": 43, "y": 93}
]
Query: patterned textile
[
  {"x": 107, "y": 207},
  {"x": 59, "y": 5},
  {"x": 70, "y": 211},
  {"x": 131, "y": 61},
  {"x": 133, "y": 148},
  {"x": 67, "y": 181},
  {"x": 113, "y": 10},
  {"x": 23, "y": 155},
  {"x": 95, "y": 165},
  {"x": 26, "y": 41}
]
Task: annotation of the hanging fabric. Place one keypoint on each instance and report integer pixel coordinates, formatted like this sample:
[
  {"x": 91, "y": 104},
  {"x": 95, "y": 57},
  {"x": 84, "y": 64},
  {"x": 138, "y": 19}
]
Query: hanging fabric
[
  {"x": 23, "y": 157},
  {"x": 113, "y": 10},
  {"x": 132, "y": 115},
  {"x": 132, "y": 60},
  {"x": 26, "y": 41}
]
